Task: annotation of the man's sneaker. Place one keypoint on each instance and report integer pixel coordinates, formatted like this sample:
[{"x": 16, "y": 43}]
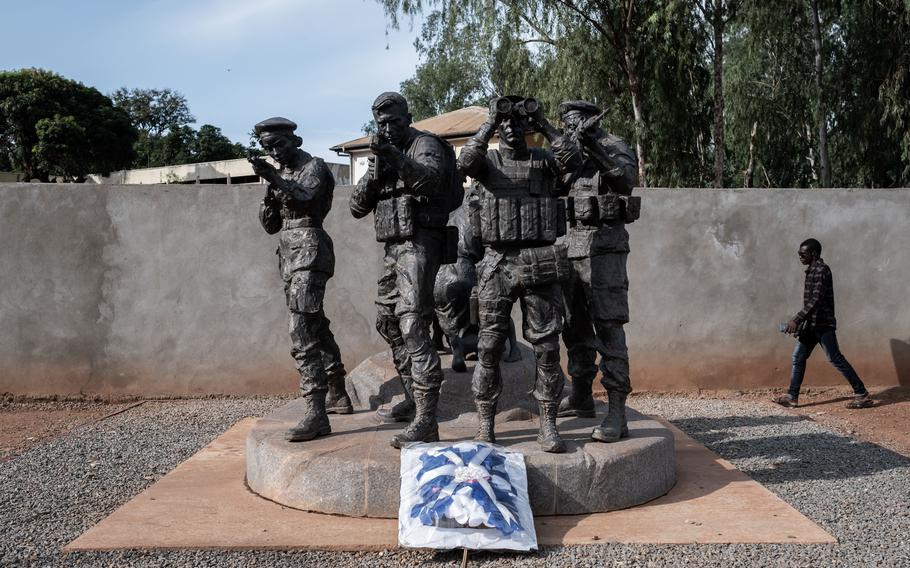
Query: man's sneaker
[
  {"x": 786, "y": 400},
  {"x": 861, "y": 401}
]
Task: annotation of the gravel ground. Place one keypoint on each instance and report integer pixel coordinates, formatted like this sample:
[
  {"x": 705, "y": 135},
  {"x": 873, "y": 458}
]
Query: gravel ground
[{"x": 857, "y": 491}]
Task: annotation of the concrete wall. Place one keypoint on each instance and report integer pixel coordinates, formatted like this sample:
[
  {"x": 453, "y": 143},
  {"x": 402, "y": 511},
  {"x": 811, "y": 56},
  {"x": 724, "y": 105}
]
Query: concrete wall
[{"x": 159, "y": 290}]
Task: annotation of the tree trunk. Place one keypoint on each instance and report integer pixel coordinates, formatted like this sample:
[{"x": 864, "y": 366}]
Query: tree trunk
[
  {"x": 824, "y": 163},
  {"x": 749, "y": 174},
  {"x": 718, "y": 24},
  {"x": 638, "y": 113}
]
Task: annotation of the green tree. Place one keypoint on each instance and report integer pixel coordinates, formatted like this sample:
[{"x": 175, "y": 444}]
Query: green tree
[
  {"x": 870, "y": 78},
  {"x": 211, "y": 145},
  {"x": 50, "y": 125},
  {"x": 154, "y": 113},
  {"x": 644, "y": 60}
]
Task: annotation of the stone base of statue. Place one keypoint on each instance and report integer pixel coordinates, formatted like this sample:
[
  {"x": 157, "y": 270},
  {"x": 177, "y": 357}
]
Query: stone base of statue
[{"x": 355, "y": 472}]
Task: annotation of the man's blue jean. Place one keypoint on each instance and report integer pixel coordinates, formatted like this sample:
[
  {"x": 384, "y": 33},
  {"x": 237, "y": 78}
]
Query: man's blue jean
[{"x": 805, "y": 343}]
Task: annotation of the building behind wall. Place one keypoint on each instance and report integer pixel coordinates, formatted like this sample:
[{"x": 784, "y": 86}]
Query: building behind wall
[
  {"x": 236, "y": 171},
  {"x": 456, "y": 127}
]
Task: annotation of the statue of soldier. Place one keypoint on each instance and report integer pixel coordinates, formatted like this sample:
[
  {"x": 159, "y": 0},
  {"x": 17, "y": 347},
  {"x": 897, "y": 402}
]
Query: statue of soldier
[
  {"x": 297, "y": 199},
  {"x": 455, "y": 284},
  {"x": 597, "y": 294},
  {"x": 409, "y": 188},
  {"x": 519, "y": 223}
]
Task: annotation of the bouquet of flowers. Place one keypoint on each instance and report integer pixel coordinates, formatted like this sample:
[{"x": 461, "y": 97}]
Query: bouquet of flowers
[{"x": 464, "y": 495}]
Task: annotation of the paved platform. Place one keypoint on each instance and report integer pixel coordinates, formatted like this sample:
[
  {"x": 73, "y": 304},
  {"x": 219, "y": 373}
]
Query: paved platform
[{"x": 205, "y": 504}]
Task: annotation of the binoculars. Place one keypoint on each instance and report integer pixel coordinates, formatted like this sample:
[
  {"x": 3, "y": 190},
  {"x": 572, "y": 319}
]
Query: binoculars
[{"x": 522, "y": 108}]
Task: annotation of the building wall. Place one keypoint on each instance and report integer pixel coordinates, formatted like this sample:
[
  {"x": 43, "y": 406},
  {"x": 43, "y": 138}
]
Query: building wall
[
  {"x": 160, "y": 290},
  {"x": 208, "y": 171}
]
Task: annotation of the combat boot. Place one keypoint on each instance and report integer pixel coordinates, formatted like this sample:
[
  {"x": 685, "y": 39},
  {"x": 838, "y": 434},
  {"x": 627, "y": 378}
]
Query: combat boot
[
  {"x": 315, "y": 421},
  {"x": 424, "y": 427},
  {"x": 404, "y": 410},
  {"x": 548, "y": 436},
  {"x": 486, "y": 415},
  {"x": 614, "y": 425},
  {"x": 337, "y": 400},
  {"x": 580, "y": 402},
  {"x": 458, "y": 364}
]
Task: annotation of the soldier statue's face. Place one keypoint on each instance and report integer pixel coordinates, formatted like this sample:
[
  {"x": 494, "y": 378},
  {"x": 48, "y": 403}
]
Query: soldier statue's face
[
  {"x": 282, "y": 148},
  {"x": 392, "y": 124},
  {"x": 512, "y": 132},
  {"x": 573, "y": 120}
]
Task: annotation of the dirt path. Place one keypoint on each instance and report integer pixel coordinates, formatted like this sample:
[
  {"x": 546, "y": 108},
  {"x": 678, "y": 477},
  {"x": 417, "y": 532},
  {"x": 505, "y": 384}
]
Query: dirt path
[
  {"x": 26, "y": 424},
  {"x": 886, "y": 424}
]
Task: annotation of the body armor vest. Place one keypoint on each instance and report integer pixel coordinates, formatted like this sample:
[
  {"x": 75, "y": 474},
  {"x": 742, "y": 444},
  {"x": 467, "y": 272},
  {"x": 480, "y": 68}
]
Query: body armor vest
[
  {"x": 398, "y": 213},
  {"x": 517, "y": 206},
  {"x": 591, "y": 203}
]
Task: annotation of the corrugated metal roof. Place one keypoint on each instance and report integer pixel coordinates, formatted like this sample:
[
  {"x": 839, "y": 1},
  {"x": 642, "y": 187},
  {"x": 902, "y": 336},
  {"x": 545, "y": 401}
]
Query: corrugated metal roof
[{"x": 456, "y": 124}]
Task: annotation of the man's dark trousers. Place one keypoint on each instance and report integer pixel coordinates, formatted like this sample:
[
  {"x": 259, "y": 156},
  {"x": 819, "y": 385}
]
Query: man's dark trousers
[{"x": 806, "y": 342}]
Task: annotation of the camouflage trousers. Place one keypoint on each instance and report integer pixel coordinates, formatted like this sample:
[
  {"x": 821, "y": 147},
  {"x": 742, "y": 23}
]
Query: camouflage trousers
[
  {"x": 313, "y": 346},
  {"x": 597, "y": 306},
  {"x": 405, "y": 306},
  {"x": 499, "y": 287}
]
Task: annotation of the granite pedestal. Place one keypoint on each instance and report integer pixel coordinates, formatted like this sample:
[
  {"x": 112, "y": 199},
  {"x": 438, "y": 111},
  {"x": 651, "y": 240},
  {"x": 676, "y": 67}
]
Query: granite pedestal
[{"x": 355, "y": 472}]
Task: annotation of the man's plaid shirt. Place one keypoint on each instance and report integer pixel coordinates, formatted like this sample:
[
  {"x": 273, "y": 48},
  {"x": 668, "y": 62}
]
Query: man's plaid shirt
[{"x": 818, "y": 297}]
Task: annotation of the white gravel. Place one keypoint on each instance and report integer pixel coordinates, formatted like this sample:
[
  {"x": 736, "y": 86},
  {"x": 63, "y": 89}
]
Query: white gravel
[{"x": 858, "y": 492}]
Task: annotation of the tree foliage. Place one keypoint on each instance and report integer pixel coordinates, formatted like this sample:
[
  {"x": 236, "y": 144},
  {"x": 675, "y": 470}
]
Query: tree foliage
[
  {"x": 53, "y": 126},
  {"x": 736, "y": 92},
  {"x": 163, "y": 118}
]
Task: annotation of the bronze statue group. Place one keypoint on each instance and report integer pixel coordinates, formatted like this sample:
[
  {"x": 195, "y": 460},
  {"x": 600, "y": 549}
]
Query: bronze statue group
[{"x": 544, "y": 227}]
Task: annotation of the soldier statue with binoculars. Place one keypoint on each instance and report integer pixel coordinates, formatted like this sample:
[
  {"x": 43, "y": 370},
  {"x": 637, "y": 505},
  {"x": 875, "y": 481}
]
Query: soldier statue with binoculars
[{"x": 518, "y": 221}]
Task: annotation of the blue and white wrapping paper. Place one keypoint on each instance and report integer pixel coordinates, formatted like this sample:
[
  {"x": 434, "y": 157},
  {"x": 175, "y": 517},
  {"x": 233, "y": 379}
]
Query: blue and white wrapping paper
[{"x": 482, "y": 486}]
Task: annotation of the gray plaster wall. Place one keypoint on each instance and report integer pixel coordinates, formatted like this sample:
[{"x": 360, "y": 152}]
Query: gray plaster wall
[{"x": 174, "y": 290}]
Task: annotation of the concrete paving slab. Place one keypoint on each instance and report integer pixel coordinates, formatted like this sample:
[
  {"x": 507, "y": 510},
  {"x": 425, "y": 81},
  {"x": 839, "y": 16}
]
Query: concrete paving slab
[{"x": 204, "y": 503}]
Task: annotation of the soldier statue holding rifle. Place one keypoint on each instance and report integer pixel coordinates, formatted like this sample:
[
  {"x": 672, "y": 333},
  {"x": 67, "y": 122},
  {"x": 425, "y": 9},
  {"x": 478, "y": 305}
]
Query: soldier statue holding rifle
[{"x": 297, "y": 199}]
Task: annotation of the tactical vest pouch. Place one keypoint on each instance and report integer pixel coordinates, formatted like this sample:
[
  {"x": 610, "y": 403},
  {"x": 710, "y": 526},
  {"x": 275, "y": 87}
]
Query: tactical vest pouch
[
  {"x": 544, "y": 265},
  {"x": 610, "y": 208},
  {"x": 530, "y": 209},
  {"x": 404, "y": 216},
  {"x": 394, "y": 219},
  {"x": 585, "y": 209},
  {"x": 633, "y": 208},
  {"x": 489, "y": 220},
  {"x": 510, "y": 210},
  {"x": 517, "y": 220},
  {"x": 560, "y": 218}
]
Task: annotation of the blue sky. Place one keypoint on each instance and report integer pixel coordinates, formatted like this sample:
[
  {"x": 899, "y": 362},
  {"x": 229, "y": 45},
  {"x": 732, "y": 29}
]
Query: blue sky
[{"x": 318, "y": 62}]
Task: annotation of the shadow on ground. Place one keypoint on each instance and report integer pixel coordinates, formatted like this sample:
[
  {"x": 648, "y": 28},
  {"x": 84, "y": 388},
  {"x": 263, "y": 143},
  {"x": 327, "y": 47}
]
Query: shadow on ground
[{"x": 784, "y": 458}]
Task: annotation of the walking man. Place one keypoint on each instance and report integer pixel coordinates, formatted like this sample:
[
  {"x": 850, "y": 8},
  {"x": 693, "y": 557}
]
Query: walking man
[{"x": 814, "y": 325}]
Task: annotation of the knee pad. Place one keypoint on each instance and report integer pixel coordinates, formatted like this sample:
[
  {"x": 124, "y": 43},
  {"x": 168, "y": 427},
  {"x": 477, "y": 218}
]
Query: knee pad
[
  {"x": 387, "y": 326},
  {"x": 489, "y": 347},
  {"x": 414, "y": 331},
  {"x": 547, "y": 353}
]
